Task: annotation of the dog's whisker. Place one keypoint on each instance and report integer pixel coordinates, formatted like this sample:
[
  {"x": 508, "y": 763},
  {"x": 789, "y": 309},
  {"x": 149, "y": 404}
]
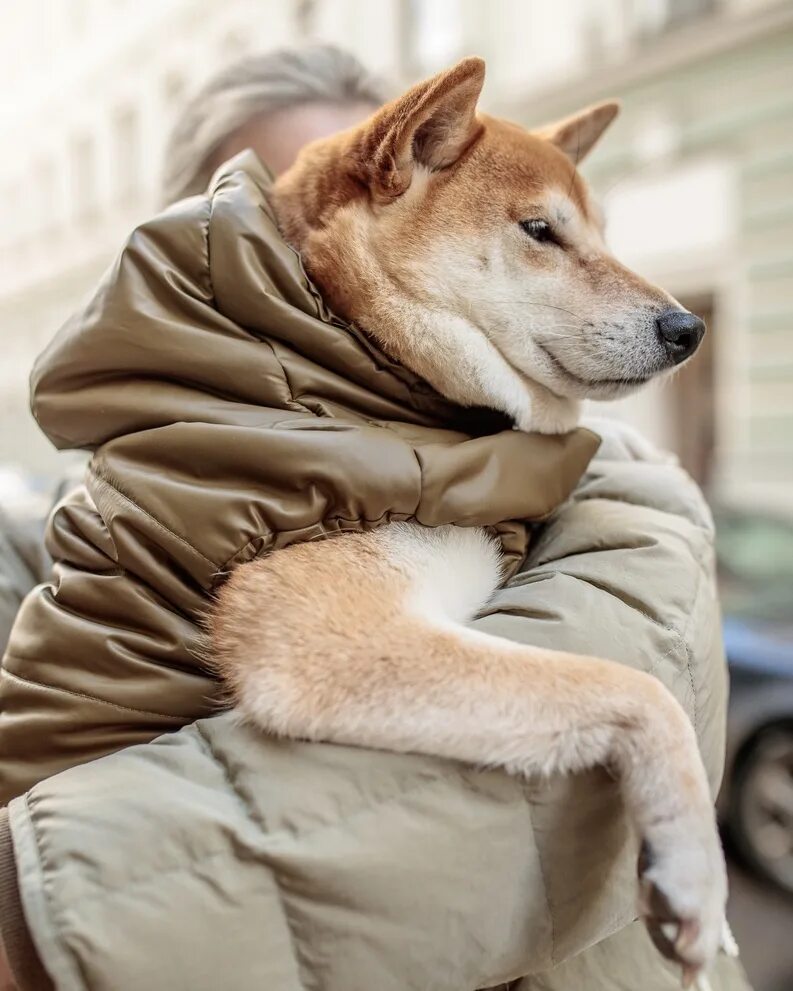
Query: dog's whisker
[{"x": 522, "y": 301}]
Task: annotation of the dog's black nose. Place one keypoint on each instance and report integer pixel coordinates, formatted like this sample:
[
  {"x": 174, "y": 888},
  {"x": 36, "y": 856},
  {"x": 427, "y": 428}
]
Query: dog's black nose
[{"x": 680, "y": 333}]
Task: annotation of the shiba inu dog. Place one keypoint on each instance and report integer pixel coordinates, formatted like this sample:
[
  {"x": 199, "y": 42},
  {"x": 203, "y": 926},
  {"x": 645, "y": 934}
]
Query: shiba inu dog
[{"x": 471, "y": 250}]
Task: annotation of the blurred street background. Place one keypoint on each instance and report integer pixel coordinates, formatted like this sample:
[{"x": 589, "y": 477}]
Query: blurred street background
[{"x": 696, "y": 179}]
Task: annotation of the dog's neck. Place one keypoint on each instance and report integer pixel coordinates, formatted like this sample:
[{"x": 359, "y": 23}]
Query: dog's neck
[
  {"x": 456, "y": 357},
  {"x": 446, "y": 349}
]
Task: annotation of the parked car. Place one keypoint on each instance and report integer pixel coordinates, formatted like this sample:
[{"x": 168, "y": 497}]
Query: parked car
[{"x": 756, "y": 801}]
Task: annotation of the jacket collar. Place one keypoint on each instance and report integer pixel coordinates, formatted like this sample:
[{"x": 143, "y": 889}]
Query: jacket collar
[{"x": 244, "y": 179}]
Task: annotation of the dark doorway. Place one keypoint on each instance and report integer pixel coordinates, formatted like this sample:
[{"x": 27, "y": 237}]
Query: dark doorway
[{"x": 693, "y": 399}]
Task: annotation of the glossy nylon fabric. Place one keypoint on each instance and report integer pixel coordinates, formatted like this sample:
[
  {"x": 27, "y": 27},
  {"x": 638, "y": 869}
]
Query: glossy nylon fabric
[
  {"x": 216, "y": 857},
  {"x": 229, "y": 414}
]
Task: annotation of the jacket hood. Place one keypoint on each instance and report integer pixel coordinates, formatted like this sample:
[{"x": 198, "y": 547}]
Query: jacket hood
[{"x": 147, "y": 350}]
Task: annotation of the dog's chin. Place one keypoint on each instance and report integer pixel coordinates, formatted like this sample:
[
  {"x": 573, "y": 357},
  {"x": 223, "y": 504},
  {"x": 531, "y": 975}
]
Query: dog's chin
[
  {"x": 587, "y": 383},
  {"x": 616, "y": 389}
]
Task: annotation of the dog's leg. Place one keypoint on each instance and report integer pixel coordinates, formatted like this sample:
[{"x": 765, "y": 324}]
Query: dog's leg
[{"x": 360, "y": 640}]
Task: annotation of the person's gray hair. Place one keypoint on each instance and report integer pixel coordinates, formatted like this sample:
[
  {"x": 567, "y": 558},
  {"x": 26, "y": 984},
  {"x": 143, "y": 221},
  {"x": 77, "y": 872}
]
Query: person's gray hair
[{"x": 252, "y": 87}]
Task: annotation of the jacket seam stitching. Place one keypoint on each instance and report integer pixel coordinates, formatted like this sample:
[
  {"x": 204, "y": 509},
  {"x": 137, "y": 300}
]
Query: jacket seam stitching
[
  {"x": 293, "y": 398},
  {"x": 621, "y": 497},
  {"x": 681, "y": 636},
  {"x": 252, "y": 815},
  {"x": 46, "y": 686},
  {"x": 294, "y": 942},
  {"x": 668, "y": 627},
  {"x": 44, "y": 876},
  {"x": 545, "y": 890},
  {"x": 99, "y": 473},
  {"x": 205, "y": 226},
  {"x": 695, "y": 698},
  {"x": 269, "y": 535},
  {"x": 210, "y": 215},
  {"x": 244, "y": 801},
  {"x": 386, "y": 517},
  {"x": 264, "y": 856},
  {"x": 176, "y": 869},
  {"x": 678, "y": 636}
]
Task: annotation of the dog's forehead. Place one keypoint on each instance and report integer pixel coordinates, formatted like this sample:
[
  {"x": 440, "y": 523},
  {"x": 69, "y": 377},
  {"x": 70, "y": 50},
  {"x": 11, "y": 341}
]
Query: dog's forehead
[
  {"x": 565, "y": 212},
  {"x": 530, "y": 167},
  {"x": 559, "y": 208}
]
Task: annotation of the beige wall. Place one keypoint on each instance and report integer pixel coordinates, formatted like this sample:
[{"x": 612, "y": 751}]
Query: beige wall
[{"x": 698, "y": 175}]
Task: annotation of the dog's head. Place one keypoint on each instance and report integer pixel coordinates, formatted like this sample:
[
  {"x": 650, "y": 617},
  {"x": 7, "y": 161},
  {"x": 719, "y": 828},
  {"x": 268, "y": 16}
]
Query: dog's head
[{"x": 443, "y": 231}]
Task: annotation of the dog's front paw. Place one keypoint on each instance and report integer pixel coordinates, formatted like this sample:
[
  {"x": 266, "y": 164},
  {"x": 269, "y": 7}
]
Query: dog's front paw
[{"x": 683, "y": 893}]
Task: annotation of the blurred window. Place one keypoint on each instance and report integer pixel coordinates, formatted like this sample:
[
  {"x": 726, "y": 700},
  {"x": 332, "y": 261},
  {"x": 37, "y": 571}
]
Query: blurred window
[
  {"x": 125, "y": 152},
  {"x": 653, "y": 17},
  {"x": 235, "y": 43},
  {"x": 174, "y": 91},
  {"x": 9, "y": 230},
  {"x": 679, "y": 11},
  {"x": 80, "y": 16},
  {"x": 305, "y": 16},
  {"x": 432, "y": 34},
  {"x": 83, "y": 177},
  {"x": 45, "y": 180}
]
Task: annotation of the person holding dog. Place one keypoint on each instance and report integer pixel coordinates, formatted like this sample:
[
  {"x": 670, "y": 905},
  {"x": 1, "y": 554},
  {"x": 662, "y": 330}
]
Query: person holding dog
[{"x": 292, "y": 864}]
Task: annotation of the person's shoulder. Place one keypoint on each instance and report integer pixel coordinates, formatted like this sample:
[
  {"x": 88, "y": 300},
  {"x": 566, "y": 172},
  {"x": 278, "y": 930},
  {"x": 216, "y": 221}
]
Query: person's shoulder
[
  {"x": 243, "y": 182},
  {"x": 244, "y": 165},
  {"x": 248, "y": 255}
]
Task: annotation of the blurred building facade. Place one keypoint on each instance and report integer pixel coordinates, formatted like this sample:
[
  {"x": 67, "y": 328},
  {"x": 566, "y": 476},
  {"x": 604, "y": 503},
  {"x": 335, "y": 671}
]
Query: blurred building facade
[
  {"x": 697, "y": 181},
  {"x": 697, "y": 176}
]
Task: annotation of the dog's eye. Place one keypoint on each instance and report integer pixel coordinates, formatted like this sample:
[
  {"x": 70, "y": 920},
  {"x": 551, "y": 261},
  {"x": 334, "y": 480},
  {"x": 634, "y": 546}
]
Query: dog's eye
[{"x": 538, "y": 230}]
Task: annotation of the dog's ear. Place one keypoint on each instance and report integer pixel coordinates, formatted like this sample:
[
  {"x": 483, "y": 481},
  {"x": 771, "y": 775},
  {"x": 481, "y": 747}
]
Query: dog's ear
[
  {"x": 430, "y": 126},
  {"x": 578, "y": 134}
]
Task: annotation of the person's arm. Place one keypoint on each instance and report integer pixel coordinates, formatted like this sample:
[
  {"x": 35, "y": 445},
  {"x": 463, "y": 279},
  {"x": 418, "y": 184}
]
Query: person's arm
[
  {"x": 379, "y": 868},
  {"x": 216, "y": 857},
  {"x": 6, "y": 978},
  {"x": 625, "y": 570},
  {"x": 20, "y": 967}
]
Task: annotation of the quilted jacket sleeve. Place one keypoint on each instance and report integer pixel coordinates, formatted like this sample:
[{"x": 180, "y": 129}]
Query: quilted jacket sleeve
[
  {"x": 307, "y": 866},
  {"x": 625, "y": 571},
  {"x": 227, "y": 415}
]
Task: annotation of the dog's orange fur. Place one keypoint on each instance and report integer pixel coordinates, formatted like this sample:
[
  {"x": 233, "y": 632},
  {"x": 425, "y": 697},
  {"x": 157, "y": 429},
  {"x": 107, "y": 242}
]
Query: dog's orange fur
[
  {"x": 343, "y": 640},
  {"x": 343, "y": 600}
]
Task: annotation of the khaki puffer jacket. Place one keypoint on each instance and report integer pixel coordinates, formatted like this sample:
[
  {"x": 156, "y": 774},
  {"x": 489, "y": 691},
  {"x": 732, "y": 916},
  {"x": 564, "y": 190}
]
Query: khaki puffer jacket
[
  {"x": 229, "y": 414},
  {"x": 217, "y": 858}
]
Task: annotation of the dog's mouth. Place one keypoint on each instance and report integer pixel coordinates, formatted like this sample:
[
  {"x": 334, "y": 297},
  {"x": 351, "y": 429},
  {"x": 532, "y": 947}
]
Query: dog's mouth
[{"x": 625, "y": 382}]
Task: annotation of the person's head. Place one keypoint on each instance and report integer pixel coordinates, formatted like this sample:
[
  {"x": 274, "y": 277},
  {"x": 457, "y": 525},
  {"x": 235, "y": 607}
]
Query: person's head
[{"x": 274, "y": 103}]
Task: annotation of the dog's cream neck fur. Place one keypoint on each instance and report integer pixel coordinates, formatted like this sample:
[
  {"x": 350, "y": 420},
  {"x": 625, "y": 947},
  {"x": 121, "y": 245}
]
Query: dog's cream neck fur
[{"x": 413, "y": 226}]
